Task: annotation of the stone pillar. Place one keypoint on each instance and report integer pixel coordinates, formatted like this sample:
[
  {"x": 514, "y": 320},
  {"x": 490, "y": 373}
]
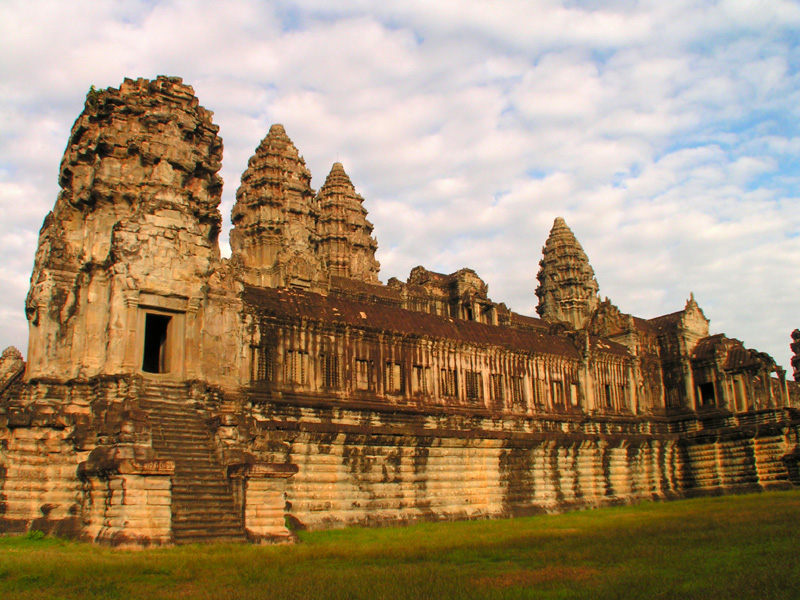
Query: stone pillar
[
  {"x": 784, "y": 392},
  {"x": 193, "y": 339},
  {"x": 688, "y": 382},
  {"x": 131, "y": 360},
  {"x": 259, "y": 491},
  {"x": 128, "y": 501},
  {"x": 632, "y": 389}
]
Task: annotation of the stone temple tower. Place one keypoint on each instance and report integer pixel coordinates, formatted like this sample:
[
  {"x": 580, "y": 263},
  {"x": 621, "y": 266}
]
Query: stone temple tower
[
  {"x": 346, "y": 243},
  {"x": 124, "y": 254},
  {"x": 274, "y": 218},
  {"x": 567, "y": 287}
]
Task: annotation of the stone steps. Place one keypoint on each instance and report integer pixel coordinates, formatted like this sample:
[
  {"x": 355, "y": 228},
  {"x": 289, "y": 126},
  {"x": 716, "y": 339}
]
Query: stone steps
[{"x": 203, "y": 506}]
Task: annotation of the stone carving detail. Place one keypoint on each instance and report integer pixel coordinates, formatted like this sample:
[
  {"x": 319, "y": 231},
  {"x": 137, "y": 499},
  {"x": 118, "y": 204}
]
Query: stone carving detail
[
  {"x": 567, "y": 287},
  {"x": 608, "y": 321},
  {"x": 275, "y": 217},
  {"x": 345, "y": 235},
  {"x": 795, "y": 346}
]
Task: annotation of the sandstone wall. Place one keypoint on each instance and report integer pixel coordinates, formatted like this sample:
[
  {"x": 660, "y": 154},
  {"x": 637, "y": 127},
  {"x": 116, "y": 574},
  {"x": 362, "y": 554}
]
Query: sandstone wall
[
  {"x": 79, "y": 460},
  {"x": 76, "y": 460},
  {"x": 40, "y": 488},
  {"x": 368, "y": 466}
]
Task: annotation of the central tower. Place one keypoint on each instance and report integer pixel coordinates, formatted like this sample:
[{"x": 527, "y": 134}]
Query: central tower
[{"x": 567, "y": 287}]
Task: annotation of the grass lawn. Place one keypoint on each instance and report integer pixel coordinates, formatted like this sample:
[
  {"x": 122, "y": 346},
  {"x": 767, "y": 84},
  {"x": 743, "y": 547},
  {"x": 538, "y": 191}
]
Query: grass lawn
[{"x": 728, "y": 547}]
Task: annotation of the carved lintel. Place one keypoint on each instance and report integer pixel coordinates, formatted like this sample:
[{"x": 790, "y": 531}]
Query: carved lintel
[
  {"x": 126, "y": 466},
  {"x": 265, "y": 470}
]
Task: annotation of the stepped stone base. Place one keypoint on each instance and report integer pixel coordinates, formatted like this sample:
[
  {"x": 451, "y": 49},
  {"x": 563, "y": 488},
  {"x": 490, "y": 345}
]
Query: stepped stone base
[{"x": 155, "y": 463}]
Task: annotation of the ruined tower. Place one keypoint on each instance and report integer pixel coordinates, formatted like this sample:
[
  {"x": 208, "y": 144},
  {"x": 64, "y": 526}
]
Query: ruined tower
[
  {"x": 274, "y": 218},
  {"x": 567, "y": 287},
  {"x": 133, "y": 234},
  {"x": 346, "y": 244}
]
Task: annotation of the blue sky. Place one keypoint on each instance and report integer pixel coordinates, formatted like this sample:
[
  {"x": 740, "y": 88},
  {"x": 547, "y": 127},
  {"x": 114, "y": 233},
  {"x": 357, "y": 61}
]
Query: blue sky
[{"x": 665, "y": 133}]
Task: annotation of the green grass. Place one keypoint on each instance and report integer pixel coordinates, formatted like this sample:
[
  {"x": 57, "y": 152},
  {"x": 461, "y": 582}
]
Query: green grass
[{"x": 727, "y": 547}]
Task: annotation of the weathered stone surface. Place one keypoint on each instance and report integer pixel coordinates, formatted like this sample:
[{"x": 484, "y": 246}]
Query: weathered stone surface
[
  {"x": 137, "y": 212},
  {"x": 795, "y": 346},
  {"x": 173, "y": 397},
  {"x": 461, "y": 295}
]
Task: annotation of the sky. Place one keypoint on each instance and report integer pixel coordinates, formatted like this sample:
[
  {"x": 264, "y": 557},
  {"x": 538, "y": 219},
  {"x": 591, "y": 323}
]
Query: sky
[{"x": 665, "y": 133}]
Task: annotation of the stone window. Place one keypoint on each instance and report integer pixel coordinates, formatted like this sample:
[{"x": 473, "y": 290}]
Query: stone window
[
  {"x": 156, "y": 355},
  {"x": 420, "y": 376},
  {"x": 262, "y": 366},
  {"x": 622, "y": 396},
  {"x": 558, "y": 393},
  {"x": 574, "y": 395},
  {"x": 707, "y": 394},
  {"x": 608, "y": 401},
  {"x": 473, "y": 383},
  {"x": 539, "y": 392},
  {"x": 394, "y": 378},
  {"x": 740, "y": 393},
  {"x": 262, "y": 363},
  {"x": 449, "y": 383},
  {"x": 517, "y": 385},
  {"x": 329, "y": 364},
  {"x": 497, "y": 389},
  {"x": 673, "y": 397},
  {"x": 363, "y": 374},
  {"x": 297, "y": 367}
]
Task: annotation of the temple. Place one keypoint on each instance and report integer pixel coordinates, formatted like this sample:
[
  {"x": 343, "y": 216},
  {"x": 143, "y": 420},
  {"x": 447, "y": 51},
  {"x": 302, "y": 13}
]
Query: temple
[{"x": 174, "y": 396}]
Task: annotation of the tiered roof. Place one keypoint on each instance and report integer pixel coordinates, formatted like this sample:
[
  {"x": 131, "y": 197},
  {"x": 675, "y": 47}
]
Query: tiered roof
[
  {"x": 345, "y": 235},
  {"x": 275, "y": 212},
  {"x": 567, "y": 287}
]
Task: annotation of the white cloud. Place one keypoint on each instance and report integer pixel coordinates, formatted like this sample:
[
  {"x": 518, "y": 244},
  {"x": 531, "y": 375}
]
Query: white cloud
[{"x": 664, "y": 132}]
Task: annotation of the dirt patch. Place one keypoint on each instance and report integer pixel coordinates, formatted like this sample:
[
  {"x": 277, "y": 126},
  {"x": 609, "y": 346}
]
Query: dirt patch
[{"x": 532, "y": 577}]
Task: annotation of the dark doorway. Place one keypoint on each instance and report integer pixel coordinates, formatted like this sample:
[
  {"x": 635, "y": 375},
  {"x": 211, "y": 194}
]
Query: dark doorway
[
  {"x": 607, "y": 400},
  {"x": 707, "y": 395},
  {"x": 155, "y": 358}
]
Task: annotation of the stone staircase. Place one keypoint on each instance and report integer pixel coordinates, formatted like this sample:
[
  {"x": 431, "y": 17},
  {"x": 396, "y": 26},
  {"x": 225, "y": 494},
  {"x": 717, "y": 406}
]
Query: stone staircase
[{"x": 203, "y": 507}]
